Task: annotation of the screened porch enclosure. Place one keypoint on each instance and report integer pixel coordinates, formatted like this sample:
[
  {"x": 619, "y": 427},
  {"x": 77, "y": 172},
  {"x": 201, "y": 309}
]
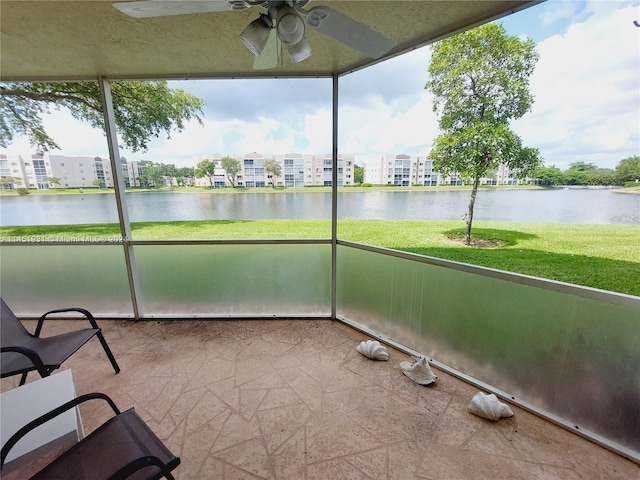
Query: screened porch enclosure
[
  {"x": 566, "y": 352},
  {"x": 569, "y": 354}
]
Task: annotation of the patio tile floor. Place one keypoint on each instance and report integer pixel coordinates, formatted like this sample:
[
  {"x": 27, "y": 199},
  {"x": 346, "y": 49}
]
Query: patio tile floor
[{"x": 292, "y": 399}]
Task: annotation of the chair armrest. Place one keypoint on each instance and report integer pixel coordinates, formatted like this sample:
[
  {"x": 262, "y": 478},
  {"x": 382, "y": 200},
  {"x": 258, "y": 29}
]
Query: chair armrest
[
  {"x": 140, "y": 463},
  {"x": 50, "y": 415},
  {"x": 86, "y": 313},
  {"x": 32, "y": 355}
]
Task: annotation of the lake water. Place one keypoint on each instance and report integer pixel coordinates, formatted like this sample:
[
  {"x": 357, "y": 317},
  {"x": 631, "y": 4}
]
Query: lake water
[{"x": 573, "y": 205}]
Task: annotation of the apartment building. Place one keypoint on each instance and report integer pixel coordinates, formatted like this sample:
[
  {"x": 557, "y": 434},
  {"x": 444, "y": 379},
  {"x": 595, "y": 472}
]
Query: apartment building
[
  {"x": 319, "y": 171},
  {"x": 29, "y": 172},
  {"x": 55, "y": 171},
  {"x": 399, "y": 170},
  {"x": 135, "y": 170},
  {"x": 13, "y": 171},
  {"x": 77, "y": 171},
  {"x": 253, "y": 173},
  {"x": 297, "y": 170},
  {"x": 405, "y": 170}
]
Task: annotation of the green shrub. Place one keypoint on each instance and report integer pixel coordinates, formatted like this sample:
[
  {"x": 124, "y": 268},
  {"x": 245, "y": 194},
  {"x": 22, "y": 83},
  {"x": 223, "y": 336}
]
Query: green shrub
[
  {"x": 367, "y": 185},
  {"x": 22, "y": 191}
]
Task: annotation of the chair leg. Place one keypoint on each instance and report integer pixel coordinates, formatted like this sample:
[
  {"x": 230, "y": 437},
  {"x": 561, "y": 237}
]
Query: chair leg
[
  {"x": 107, "y": 350},
  {"x": 23, "y": 378}
]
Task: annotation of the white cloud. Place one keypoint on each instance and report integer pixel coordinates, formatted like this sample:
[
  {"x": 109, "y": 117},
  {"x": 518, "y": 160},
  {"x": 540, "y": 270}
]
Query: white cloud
[
  {"x": 378, "y": 130},
  {"x": 587, "y": 95},
  {"x": 73, "y": 137},
  {"x": 557, "y": 11},
  {"x": 307, "y": 134}
]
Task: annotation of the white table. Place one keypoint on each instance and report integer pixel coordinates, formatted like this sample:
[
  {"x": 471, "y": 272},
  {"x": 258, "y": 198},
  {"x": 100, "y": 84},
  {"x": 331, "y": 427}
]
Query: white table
[{"x": 25, "y": 403}]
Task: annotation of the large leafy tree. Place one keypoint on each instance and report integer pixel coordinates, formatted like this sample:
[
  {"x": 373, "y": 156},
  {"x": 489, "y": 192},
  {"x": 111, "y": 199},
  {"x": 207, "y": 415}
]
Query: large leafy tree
[
  {"x": 273, "y": 170},
  {"x": 578, "y": 173},
  {"x": 185, "y": 173},
  {"x": 480, "y": 82},
  {"x": 206, "y": 169},
  {"x": 142, "y": 110},
  {"x": 358, "y": 174},
  {"x": 233, "y": 167},
  {"x": 154, "y": 173},
  {"x": 53, "y": 181},
  {"x": 549, "y": 176},
  {"x": 628, "y": 170}
]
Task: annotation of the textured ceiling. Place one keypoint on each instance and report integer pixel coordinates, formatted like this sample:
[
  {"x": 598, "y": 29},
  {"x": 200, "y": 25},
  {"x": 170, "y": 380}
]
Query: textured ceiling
[{"x": 90, "y": 38}]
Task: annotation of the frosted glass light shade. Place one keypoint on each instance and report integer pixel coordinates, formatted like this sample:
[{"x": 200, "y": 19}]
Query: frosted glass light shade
[
  {"x": 255, "y": 36},
  {"x": 300, "y": 51}
]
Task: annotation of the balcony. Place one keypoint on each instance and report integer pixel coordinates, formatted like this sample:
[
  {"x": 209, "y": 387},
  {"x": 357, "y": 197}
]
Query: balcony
[
  {"x": 292, "y": 399},
  {"x": 285, "y": 394}
]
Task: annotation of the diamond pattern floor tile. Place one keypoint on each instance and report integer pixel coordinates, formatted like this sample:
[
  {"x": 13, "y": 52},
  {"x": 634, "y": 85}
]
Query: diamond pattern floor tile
[{"x": 293, "y": 400}]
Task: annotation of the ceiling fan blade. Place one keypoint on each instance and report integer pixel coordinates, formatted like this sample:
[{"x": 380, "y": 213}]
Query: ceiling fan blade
[
  {"x": 162, "y": 8},
  {"x": 270, "y": 54},
  {"x": 348, "y": 31}
]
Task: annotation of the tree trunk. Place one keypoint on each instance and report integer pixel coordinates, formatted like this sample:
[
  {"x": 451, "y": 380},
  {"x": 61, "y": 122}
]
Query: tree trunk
[{"x": 474, "y": 192}]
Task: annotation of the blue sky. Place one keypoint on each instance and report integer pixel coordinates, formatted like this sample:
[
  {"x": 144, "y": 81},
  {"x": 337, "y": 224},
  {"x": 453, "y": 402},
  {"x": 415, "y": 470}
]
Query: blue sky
[
  {"x": 554, "y": 17},
  {"x": 547, "y": 19},
  {"x": 586, "y": 86}
]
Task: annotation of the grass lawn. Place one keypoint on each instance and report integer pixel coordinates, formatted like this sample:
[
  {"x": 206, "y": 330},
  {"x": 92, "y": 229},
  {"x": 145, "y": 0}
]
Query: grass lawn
[{"x": 600, "y": 256}]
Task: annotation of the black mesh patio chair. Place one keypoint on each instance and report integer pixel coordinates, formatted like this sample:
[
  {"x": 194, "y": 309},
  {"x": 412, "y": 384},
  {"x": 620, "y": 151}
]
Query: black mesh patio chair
[
  {"x": 22, "y": 352},
  {"x": 122, "y": 447}
]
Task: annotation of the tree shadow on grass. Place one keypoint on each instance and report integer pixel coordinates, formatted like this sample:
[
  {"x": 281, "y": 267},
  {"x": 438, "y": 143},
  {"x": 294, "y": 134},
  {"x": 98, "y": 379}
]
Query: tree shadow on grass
[
  {"x": 602, "y": 273},
  {"x": 187, "y": 223},
  {"x": 491, "y": 237},
  {"x": 67, "y": 231},
  {"x": 102, "y": 230},
  {"x": 184, "y": 229}
]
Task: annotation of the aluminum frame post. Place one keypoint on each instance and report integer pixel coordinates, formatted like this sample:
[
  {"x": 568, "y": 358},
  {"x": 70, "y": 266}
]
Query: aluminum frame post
[
  {"x": 119, "y": 189},
  {"x": 334, "y": 200}
]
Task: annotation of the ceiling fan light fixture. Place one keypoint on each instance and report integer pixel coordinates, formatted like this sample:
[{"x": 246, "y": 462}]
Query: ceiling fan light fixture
[
  {"x": 290, "y": 26},
  {"x": 300, "y": 51},
  {"x": 291, "y": 29},
  {"x": 256, "y": 36}
]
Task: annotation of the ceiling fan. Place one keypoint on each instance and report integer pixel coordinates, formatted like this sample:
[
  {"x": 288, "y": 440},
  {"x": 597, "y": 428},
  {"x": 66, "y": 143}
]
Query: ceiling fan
[{"x": 284, "y": 23}]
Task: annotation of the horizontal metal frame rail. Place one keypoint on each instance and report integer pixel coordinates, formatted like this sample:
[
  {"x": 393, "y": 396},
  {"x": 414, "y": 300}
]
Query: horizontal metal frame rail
[
  {"x": 586, "y": 292},
  {"x": 49, "y": 243}
]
